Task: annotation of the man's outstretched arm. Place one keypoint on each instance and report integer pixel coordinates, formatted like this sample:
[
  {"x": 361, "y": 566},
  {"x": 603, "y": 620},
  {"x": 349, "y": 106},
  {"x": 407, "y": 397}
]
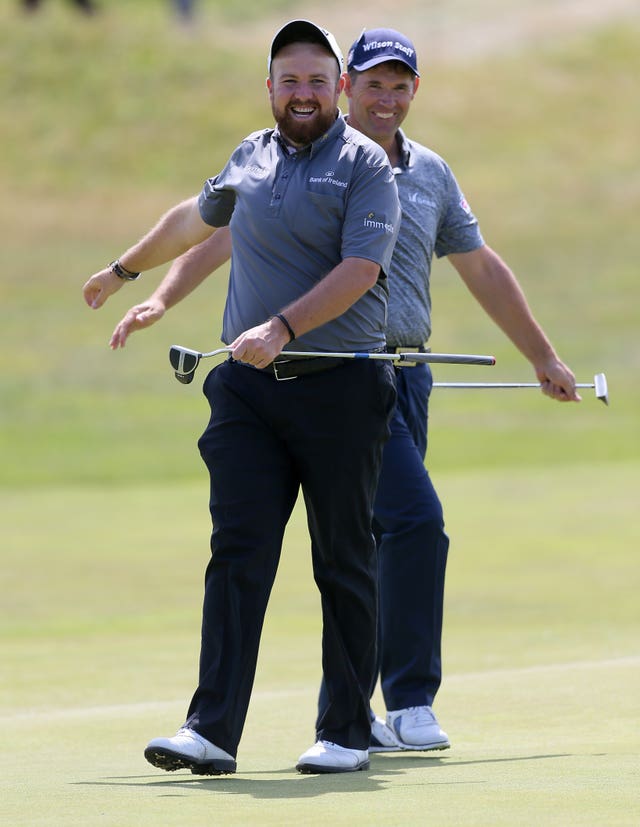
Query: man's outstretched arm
[
  {"x": 497, "y": 290},
  {"x": 178, "y": 230},
  {"x": 185, "y": 274}
]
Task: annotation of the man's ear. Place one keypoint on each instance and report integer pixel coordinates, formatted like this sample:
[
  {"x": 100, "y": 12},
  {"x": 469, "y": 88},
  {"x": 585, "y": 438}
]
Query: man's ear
[{"x": 346, "y": 80}]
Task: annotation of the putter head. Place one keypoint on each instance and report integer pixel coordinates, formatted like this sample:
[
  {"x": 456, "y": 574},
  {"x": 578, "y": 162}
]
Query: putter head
[
  {"x": 600, "y": 385},
  {"x": 184, "y": 361}
]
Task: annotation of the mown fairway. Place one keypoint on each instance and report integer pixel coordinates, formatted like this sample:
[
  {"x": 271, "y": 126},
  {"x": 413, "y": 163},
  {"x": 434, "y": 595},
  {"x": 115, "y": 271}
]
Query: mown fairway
[{"x": 106, "y": 123}]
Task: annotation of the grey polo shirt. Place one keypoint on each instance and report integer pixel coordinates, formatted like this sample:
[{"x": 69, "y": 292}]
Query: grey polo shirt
[
  {"x": 436, "y": 219},
  {"x": 294, "y": 217}
]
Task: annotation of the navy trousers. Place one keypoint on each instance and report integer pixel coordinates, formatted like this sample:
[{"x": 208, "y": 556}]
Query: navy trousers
[
  {"x": 412, "y": 553},
  {"x": 266, "y": 439}
]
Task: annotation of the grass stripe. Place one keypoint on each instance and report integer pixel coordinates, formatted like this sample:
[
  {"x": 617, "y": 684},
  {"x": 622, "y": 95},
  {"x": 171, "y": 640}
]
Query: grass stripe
[{"x": 135, "y": 709}]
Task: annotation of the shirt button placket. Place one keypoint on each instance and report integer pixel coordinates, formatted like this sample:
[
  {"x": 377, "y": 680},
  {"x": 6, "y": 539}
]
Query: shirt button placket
[{"x": 280, "y": 186}]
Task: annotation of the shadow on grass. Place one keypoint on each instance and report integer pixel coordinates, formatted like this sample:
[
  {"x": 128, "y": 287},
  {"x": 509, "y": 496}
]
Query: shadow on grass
[
  {"x": 292, "y": 785},
  {"x": 409, "y": 761},
  {"x": 384, "y": 768}
]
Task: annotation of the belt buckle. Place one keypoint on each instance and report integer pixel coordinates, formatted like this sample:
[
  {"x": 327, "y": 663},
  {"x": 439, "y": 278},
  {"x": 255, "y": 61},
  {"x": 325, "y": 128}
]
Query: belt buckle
[{"x": 275, "y": 370}]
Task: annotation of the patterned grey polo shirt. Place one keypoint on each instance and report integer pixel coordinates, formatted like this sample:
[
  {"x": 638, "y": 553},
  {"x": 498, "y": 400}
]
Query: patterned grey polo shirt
[{"x": 436, "y": 219}]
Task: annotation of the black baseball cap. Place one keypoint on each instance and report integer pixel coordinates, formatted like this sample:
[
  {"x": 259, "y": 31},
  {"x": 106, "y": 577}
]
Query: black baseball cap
[
  {"x": 297, "y": 30},
  {"x": 379, "y": 46}
]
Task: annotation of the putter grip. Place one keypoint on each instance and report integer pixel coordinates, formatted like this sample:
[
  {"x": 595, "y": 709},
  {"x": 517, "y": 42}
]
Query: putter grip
[{"x": 449, "y": 358}]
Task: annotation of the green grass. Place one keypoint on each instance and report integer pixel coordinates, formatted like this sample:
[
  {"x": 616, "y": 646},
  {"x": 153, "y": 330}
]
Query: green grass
[
  {"x": 103, "y": 599},
  {"x": 108, "y": 124}
]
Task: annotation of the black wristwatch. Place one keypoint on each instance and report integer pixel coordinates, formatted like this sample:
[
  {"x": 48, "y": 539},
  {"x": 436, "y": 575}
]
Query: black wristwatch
[{"x": 122, "y": 272}]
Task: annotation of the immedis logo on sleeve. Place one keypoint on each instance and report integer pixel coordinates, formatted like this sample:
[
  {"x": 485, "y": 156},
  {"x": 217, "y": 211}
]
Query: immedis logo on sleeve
[{"x": 372, "y": 223}]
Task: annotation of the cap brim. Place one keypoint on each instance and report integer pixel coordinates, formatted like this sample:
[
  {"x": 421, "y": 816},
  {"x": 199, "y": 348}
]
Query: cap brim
[{"x": 376, "y": 61}]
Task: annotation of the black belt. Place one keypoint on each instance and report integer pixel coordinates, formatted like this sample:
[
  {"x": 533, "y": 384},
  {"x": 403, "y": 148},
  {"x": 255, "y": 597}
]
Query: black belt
[
  {"x": 302, "y": 365},
  {"x": 292, "y": 368}
]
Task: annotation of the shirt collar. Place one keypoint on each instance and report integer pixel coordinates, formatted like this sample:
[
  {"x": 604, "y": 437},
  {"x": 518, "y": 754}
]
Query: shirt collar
[{"x": 403, "y": 146}]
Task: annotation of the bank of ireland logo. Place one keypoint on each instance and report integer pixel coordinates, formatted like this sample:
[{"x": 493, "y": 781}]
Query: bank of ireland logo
[{"x": 328, "y": 178}]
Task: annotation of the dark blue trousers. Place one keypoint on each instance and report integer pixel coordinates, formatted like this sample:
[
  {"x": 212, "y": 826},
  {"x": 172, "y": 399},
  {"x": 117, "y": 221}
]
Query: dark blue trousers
[
  {"x": 412, "y": 554},
  {"x": 266, "y": 439}
]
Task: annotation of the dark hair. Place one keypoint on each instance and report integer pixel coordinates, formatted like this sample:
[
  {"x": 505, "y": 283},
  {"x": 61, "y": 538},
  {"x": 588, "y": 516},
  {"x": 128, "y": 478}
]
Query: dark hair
[{"x": 396, "y": 66}]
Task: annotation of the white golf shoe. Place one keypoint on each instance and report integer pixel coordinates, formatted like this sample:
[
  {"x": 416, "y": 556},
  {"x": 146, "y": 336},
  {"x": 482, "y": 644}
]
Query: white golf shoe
[
  {"x": 325, "y": 756},
  {"x": 417, "y": 728},
  {"x": 382, "y": 738},
  {"x": 189, "y": 750}
]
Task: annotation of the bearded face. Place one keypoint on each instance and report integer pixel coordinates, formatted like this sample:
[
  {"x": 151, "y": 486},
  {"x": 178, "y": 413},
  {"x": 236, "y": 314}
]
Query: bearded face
[{"x": 304, "y": 88}]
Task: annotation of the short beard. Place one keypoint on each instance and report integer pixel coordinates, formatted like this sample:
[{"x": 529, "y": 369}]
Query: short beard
[{"x": 302, "y": 134}]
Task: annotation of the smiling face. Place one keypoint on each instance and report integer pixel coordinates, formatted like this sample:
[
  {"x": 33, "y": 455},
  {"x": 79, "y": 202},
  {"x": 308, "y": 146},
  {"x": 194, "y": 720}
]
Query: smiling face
[
  {"x": 304, "y": 87},
  {"x": 379, "y": 100}
]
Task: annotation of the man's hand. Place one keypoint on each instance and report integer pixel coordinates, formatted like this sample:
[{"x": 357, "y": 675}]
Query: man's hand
[
  {"x": 138, "y": 317},
  {"x": 557, "y": 381},
  {"x": 260, "y": 345},
  {"x": 100, "y": 286}
]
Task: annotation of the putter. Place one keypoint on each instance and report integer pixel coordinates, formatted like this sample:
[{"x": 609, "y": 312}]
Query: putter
[
  {"x": 184, "y": 360},
  {"x": 599, "y": 384}
]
